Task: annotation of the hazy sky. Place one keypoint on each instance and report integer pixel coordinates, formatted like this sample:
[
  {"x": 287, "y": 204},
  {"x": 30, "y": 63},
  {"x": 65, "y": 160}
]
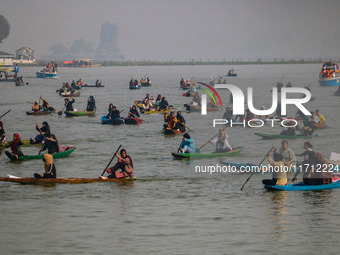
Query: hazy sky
[{"x": 181, "y": 29}]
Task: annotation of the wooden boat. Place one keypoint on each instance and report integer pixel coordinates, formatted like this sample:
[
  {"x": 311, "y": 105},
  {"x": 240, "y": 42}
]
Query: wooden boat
[
  {"x": 196, "y": 108},
  {"x": 56, "y": 155},
  {"x": 79, "y": 113},
  {"x": 231, "y": 73},
  {"x": 106, "y": 120},
  {"x": 155, "y": 111},
  {"x": 303, "y": 187},
  {"x": 172, "y": 132},
  {"x": 145, "y": 84},
  {"x": 92, "y": 86},
  {"x": 233, "y": 152},
  {"x": 46, "y": 74},
  {"x": 133, "y": 121},
  {"x": 39, "y": 112},
  {"x": 331, "y": 78},
  {"x": 277, "y": 136},
  {"x": 31, "y": 180},
  {"x": 69, "y": 94}
]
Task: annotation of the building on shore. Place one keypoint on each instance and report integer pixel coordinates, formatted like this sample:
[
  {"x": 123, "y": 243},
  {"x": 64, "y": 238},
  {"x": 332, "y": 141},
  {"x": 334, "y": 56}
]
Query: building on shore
[
  {"x": 6, "y": 59},
  {"x": 24, "y": 55}
]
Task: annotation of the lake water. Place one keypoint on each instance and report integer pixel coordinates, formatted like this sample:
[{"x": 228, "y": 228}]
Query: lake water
[{"x": 171, "y": 209}]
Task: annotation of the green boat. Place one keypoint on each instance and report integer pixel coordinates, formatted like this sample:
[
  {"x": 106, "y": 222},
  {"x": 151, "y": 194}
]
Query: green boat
[
  {"x": 56, "y": 155},
  {"x": 233, "y": 152},
  {"x": 274, "y": 136},
  {"x": 79, "y": 113}
]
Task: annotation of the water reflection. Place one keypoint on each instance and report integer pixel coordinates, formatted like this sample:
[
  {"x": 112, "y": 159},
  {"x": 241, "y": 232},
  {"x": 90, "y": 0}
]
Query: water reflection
[{"x": 279, "y": 214}]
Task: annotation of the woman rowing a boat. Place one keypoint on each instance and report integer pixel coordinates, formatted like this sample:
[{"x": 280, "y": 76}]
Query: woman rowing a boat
[
  {"x": 115, "y": 114},
  {"x": 287, "y": 153},
  {"x": 51, "y": 144},
  {"x": 321, "y": 173},
  {"x": 91, "y": 104},
  {"x": 133, "y": 113},
  {"x": 15, "y": 147},
  {"x": 50, "y": 170},
  {"x": 308, "y": 162},
  {"x": 124, "y": 164},
  {"x": 46, "y": 106},
  {"x": 170, "y": 121},
  {"x": 222, "y": 144},
  {"x": 187, "y": 144},
  {"x": 2, "y": 132},
  {"x": 180, "y": 122},
  {"x": 164, "y": 105},
  {"x": 279, "y": 176},
  {"x": 69, "y": 104},
  {"x": 44, "y": 131},
  {"x": 36, "y": 107}
]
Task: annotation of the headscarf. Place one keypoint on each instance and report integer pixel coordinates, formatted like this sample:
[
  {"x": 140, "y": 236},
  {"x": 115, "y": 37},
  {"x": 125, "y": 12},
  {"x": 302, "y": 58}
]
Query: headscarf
[
  {"x": 48, "y": 159},
  {"x": 127, "y": 156},
  {"x": 15, "y": 142}
]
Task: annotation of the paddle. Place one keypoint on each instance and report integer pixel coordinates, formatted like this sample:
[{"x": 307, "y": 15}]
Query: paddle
[
  {"x": 136, "y": 116},
  {"x": 209, "y": 140},
  {"x": 5, "y": 113},
  {"x": 42, "y": 136},
  {"x": 61, "y": 112},
  {"x": 111, "y": 160},
  {"x": 258, "y": 166}
]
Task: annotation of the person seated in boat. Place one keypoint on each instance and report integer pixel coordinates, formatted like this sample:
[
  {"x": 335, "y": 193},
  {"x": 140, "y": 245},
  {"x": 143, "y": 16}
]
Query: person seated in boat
[
  {"x": 158, "y": 100},
  {"x": 182, "y": 83},
  {"x": 69, "y": 104},
  {"x": 146, "y": 104},
  {"x": 48, "y": 67},
  {"x": 307, "y": 130},
  {"x": 320, "y": 173},
  {"x": 44, "y": 131},
  {"x": 2, "y": 132},
  {"x": 46, "y": 106},
  {"x": 290, "y": 131},
  {"x": 228, "y": 114},
  {"x": 180, "y": 122},
  {"x": 220, "y": 80},
  {"x": 110, "y": 109},
  {"x": 314, "y": 118},
  {"x": 147, "y": 96},
  {"x": 287, "y": 153},
  {"x": 98, "y": 83},
  {"x": 279, "y": 85},
  {"x": 133, "y": 113},
  {"x": 211, "y": 82},
  {"x": 148, "y": 80},
  {"x": 221, "y": 141},
  {"x": 80, "y": 82},
  {"x": 196, "y": 99},
  {"x": 115, "y": 114},
  {"x": 164, "y": 105},
  {"x": 152, "y": 102},
  {"x": 289, "y": 85},
  {"x": 249, "y": 115},
  {"x": 124, "y": 164},
  {"x": 279, "y": 176},
  {"x": 91, "y": 104},
  {"x": 308, "y": 161},
  {"x": 51, "y": 144},
  {"x": 193, "y": 88},
  {"x": 187, "y": 144},
  {"x": 50, "y": 170},
  {"x": 15, "y": 152},
  {"x": 36, "y": 107},
  {"x": 170, "y": 121},
  {"x": 322, "y": 119}
]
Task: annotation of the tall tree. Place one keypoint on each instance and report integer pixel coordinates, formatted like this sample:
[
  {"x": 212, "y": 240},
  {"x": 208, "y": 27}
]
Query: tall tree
[
  {"x": 108, "y": 44},
  {"x": 4, "y": 28},
  {"x": 80, "y": 46}
]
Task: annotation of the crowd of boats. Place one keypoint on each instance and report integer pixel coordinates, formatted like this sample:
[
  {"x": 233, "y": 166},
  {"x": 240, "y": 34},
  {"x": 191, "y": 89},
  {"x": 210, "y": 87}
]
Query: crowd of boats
[{"x": 175, "y": 123}]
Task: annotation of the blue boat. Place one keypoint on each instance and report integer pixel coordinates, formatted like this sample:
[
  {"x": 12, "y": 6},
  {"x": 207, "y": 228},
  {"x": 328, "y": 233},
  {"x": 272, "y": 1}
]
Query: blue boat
[
  {"x": 303, "y": 187},
  {"x": 329, "y": 75},
  {"x": 135, "y": 87},
  {"x": 45, "y": 74},
  {"x": 117, "y": 121}
]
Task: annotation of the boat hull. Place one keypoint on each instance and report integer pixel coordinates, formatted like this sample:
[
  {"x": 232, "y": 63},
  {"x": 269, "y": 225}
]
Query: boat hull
[
  {"x": 107, "y": 121},
  {"x": 303, "y": 187},
  {"x": 234, "y": 152},
  {"x": 41, "y": 156},
  {"x": 79, "y": 113},
  {"x": 42, "y": 74},
  {"x": 92, "y": 86},
  {"x": 196, "y": 108},
  {"x": 31, "y": 180},
  {"x": 133, "y": 121},
  {"x": 39, "y": 113},
  {"x": 334, "y": 81}
]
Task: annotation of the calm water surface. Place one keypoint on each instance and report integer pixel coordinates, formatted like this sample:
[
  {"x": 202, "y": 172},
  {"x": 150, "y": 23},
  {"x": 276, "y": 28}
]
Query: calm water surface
[{"x": 171, "y": 209}]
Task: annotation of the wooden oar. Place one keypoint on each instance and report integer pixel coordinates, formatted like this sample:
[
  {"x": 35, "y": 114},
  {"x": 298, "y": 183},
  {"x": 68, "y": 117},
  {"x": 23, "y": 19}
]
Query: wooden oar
[
  {"x": 61, "y": 112},
  {"x": 136, "y": 116},
  {"x": 210, "y": 140},
  {"x": 5, "y": 113},
  {"x": 257, "y": 166},
  {"x": 111, "y": 160}
]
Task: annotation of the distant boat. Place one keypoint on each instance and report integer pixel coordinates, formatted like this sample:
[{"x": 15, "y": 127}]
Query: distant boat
[
  {"x": 232, "y": 73},
  {"x": 329, "y": 75},
  {"x": 88, "y": 62},
  {"x": 46, "y": 74}
]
